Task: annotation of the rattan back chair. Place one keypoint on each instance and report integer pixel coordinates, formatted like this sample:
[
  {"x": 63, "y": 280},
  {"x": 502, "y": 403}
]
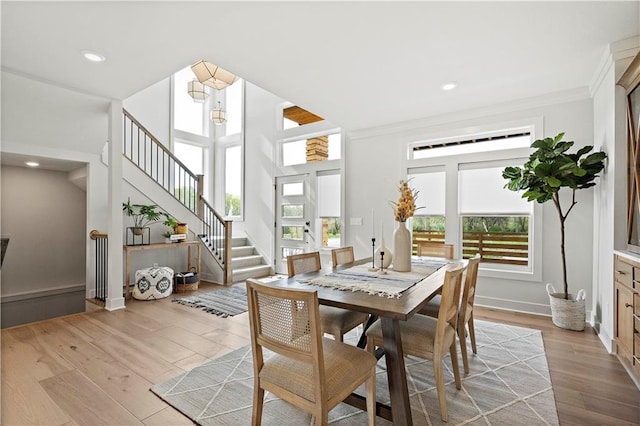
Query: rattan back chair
[
  {"x": 311, "y": 372},
  {"x": 432, "y": 249},
  {"x": 342, "y": 255},
  {"x": 431, "y": 338},
  {"x": 334, "y": 321}
]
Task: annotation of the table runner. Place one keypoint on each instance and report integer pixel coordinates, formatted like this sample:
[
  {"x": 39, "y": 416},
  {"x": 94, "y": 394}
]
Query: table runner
[{"x": 391, "y": 284}]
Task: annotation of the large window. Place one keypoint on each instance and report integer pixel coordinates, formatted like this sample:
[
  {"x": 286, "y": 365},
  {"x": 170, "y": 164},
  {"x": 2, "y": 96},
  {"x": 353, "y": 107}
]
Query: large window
[
  {"x": 312, "y": 149},
  {"x": 495, "y": 222},
  {"x": 189, "y": 116},
  {"x": 465, "y": 203},
  {"x": 429, "y": 221}
]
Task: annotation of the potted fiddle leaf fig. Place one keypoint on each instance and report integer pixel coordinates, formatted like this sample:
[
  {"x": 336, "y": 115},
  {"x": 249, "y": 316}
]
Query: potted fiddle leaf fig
[{"x": 550, "y": 169}]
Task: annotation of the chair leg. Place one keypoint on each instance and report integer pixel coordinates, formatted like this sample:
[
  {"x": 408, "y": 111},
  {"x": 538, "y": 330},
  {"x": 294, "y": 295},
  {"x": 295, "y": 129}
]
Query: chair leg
[
  {"x": 258, "y": 400},
  {"x": 370, "y": 387},
  {"x": 472, "y": 334},
  {"x": 438, "y": 372},
  {"x": 454, "y": 363},
  {"x": 462, "y": 334}
]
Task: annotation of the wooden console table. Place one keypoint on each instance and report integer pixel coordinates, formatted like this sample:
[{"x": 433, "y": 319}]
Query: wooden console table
[{"x": 159, "y": 246}]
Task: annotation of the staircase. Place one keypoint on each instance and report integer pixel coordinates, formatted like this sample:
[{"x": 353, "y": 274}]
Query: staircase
[
  {"x": 246, "y": 262},
  {"x": 235, "y": 257}
]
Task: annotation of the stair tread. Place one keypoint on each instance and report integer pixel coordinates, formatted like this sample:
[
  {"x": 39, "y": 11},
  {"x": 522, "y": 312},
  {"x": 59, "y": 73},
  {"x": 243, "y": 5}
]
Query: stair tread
[{"x": 249, "y": 268}]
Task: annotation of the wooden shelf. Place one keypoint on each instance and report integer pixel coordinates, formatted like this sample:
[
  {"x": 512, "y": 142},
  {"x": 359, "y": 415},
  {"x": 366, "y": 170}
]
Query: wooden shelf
[{"x": 160, "y": 246}]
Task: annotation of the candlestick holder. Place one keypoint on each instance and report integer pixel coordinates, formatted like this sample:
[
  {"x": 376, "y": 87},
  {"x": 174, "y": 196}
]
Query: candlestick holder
[
  {"x": 382, "y": 271},
  {"x": 373, "y": 255}
]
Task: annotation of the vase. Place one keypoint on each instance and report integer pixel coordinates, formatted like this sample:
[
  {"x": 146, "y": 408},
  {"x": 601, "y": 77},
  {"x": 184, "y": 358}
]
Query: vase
[
  {"x": 401, "y": 248},
  {"x": 386, "y": 260}
]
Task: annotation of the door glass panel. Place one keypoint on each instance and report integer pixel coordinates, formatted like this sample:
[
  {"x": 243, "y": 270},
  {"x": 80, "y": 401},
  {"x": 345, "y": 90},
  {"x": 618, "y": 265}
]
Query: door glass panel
[
  {"x": 290, "y": 251},
  {"x": 292, "y": 232},
  {"x": 292, "y": 210},
  {"x": 293, "y": 188}
]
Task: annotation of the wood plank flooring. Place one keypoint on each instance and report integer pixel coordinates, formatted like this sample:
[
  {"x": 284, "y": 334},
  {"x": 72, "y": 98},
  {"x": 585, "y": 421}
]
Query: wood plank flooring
[{"x": 96, "y": 367}]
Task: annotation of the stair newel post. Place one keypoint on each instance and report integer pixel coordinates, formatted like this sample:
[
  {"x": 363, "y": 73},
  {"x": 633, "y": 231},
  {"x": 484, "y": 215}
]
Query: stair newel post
[
  {"x": 228, "y": 278},
  {"x": 199, "y": 195}
]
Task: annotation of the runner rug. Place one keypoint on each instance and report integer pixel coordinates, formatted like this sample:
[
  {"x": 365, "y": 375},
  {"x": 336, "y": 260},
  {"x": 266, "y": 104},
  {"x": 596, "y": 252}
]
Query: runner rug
[
  {"x": 508, "y": 383},
  {"x": 225, "y": 302}
]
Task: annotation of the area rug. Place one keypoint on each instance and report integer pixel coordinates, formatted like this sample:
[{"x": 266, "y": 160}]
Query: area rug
[
  {"x": 225, "y": 302},
  {"x": 508, "y": 383}
]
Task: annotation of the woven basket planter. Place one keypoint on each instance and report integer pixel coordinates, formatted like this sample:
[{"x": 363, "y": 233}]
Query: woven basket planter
[{"x": 567, "y": 313}]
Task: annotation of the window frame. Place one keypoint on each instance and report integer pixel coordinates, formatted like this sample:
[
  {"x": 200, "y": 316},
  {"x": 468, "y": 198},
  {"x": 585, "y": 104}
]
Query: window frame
[{"x": 453, "y": 218}]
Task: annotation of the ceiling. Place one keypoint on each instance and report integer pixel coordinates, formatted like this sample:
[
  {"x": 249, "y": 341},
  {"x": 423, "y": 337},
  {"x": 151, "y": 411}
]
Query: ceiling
[
  {"x": 358, "y": 64},
  {"x": 45, "y": 163}
]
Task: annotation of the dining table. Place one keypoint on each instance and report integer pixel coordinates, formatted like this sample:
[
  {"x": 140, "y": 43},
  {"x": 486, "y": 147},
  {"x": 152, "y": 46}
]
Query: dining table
[{"x": 390, "y": 311}]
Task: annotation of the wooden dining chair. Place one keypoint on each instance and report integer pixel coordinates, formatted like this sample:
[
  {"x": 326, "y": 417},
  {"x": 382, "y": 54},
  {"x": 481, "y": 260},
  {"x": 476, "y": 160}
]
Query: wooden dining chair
[
  {"x": 426, "y": 248},
  {"x": 430, "y": 338},
  {"x": 465, "y": 315},
  {"x": 311, "y": 372},
  {"x": 342, "y": 255},
  {"x": 334, "y": 321}
]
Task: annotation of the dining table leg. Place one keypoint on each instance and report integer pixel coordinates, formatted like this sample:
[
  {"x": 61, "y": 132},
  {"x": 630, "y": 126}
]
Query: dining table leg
[{"x": 396, "y": 374}]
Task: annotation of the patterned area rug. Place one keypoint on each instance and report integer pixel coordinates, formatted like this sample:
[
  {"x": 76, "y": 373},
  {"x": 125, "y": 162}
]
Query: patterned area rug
[
  {"x": 225, "y": 302},
  {"x": 508, "y": 383}
]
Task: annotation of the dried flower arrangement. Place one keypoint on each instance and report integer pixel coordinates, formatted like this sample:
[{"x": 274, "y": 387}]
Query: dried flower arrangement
[{"x": 406, "y": 205}]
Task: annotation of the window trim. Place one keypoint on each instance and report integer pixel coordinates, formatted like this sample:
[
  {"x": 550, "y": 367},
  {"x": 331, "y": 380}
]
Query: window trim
[{"x": 453, "y": 222}]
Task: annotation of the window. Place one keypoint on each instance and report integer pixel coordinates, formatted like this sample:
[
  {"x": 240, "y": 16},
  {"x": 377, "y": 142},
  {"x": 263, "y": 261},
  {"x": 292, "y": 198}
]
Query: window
[
  {"x": 312, "y": 149},
  {"x": 295, "y": 116},
  {"x": 461, "y": 186},
  {"x": 233, "y": 181},
  {"x": 495, "y": 222},
  {"x": 233, "y": 100},
  {"x": 329, "y": 208},
  {"x": 189, "y": 116},
  {"x": 479, "y": 143},
  {"x": 428, "y": 222}
]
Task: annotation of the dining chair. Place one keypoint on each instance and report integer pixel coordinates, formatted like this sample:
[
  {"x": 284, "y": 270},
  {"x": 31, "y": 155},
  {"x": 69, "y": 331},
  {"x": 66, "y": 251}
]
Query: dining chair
[
  {"x": 427, "y": 248},
  {"x": 342, "y": 255},
  {"x": 465, "y": 315},
  {"x": 311, "y": 372},
  {"x": 334, "y": 321},
  {"x": 430, "y": 338}
]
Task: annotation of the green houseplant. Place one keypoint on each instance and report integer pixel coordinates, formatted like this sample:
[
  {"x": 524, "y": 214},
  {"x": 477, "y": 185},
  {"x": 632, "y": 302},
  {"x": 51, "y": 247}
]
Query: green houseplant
[
  {"x": 549, "y": 169},
  {"x": 142, "y": 215}
]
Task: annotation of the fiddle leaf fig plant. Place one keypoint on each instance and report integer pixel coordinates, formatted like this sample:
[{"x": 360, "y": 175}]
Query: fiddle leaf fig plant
[{"x": 549, "y": 169}]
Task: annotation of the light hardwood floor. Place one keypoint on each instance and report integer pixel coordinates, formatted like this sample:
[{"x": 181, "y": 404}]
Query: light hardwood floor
[{"x": 96, "y": 368}]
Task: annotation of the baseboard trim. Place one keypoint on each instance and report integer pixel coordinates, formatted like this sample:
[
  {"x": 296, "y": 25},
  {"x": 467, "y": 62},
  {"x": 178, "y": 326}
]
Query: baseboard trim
[
  {"x": 35, "y": 294},
  {"x": 513, "y": 305}
]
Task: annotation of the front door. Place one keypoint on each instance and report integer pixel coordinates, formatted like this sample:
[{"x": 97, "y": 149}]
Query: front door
[{"x": 295, "y": 210}]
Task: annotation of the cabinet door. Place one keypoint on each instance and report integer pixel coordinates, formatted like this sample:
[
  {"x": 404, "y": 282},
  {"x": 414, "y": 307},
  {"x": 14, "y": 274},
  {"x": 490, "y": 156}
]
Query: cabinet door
[{"x": 624, "y": 320}]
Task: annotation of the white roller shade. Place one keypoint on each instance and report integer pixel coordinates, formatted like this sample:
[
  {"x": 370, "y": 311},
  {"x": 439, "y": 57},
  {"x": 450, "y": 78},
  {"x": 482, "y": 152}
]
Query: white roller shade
[
  {"x": 432, "y": 190},
  {"x": 482, "y": 191},
  {"x": 329, "y": 195}
]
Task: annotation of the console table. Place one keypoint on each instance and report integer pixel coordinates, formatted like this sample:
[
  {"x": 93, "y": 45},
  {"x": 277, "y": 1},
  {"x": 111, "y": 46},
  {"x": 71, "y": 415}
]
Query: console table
[{"x": 160, "y": 246}]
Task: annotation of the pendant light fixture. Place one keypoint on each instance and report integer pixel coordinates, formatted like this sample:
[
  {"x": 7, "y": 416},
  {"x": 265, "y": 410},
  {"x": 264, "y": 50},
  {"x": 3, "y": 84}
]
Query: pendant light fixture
[
  {"x": 212, "y": 75},
  {"x": 218, "y": 115},
  {"x": 197, "y": 91}
]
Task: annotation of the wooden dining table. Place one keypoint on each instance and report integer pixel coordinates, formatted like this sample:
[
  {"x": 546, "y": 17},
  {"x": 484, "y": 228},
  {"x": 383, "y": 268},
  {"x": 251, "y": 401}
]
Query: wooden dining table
[{"x": 390, "y": 312}]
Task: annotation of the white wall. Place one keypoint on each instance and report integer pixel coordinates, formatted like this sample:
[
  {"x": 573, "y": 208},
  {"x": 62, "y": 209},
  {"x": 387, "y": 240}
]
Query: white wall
[
  {"x": 152, "y": 108},
  {"x": 375, "y": 163},
  {"x": 260, "y": 118},
  {"x": 609, "y": 105},
  {"x": 45, "y": 215}
]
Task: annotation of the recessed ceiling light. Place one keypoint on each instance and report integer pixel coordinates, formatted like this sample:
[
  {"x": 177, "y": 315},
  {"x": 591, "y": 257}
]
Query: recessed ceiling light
[
  {"x": 92, "y": 56},
  {"x": 32, "y": 164},
  {"x": 449, "y": 86}
]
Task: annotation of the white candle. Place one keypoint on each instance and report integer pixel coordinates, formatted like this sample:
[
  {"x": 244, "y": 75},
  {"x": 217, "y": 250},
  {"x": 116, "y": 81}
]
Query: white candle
[{"x": 373, "y": 226}]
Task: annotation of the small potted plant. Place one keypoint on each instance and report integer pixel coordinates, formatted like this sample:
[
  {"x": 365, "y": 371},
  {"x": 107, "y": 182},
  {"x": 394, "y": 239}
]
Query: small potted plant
[
  {"x": 170, "y": 222},
  {"x": 142, "y": 215},
  {"x": 550, "y": 168}
]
